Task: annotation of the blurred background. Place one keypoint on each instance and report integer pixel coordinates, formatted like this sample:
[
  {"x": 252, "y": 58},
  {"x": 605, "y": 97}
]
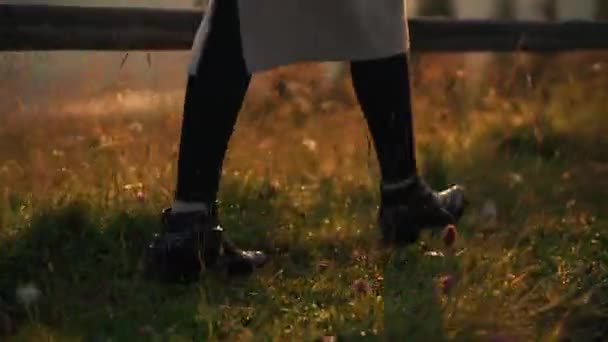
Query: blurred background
[{"x": 32, "y": 79}]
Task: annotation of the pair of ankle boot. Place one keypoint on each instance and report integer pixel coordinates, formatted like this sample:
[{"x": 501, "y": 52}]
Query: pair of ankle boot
[{"x": 191, "y": 242}]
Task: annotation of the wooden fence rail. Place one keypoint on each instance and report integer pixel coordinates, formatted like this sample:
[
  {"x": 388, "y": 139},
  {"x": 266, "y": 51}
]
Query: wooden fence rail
[{"x": 43, "y": 27}]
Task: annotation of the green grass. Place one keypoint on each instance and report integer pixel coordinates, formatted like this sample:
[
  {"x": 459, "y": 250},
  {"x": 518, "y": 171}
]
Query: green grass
[{"x": 71, "y": 223}]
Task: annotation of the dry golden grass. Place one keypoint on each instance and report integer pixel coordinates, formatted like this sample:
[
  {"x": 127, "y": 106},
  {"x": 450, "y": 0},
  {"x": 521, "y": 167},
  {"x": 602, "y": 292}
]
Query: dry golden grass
[{"x": 81, "y": 195}]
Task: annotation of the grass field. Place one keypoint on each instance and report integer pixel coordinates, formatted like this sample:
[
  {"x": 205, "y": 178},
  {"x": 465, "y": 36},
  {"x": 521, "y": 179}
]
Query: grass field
[{"x": 80, "y": 196}]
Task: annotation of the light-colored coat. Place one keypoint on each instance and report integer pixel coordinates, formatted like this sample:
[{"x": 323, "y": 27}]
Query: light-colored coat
[{"x": 281, "y": 32}]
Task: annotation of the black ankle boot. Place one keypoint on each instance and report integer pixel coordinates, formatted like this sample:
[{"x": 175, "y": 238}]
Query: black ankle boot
[
  {"x": 411, "y": 206},
  {"x": 193, "y": 242}
]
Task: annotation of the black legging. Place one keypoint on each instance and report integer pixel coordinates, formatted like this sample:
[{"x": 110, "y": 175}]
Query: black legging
[{"x": 215, "y": 95}]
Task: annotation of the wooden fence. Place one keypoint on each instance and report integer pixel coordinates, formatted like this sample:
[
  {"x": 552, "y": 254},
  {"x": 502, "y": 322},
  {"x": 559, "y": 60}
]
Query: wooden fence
[{"x": 44, "y": 28}]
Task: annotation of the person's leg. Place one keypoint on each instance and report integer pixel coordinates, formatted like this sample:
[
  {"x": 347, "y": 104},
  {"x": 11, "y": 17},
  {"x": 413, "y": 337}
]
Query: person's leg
[
  {"x": 214, "y": 97},
  {"x": 383, "y": 89},
  {"x": 192, "y": 238}
]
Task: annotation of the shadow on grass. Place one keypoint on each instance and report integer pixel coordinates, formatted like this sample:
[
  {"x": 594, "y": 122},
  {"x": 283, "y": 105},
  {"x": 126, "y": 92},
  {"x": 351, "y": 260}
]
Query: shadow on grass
[
  {"x": 88, "y": 269},
  {"x": 88, "y": 263}
]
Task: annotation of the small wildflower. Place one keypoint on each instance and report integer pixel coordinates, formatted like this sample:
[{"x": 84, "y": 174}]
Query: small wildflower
[
  {"x": 136, "y": 127},
  {"x": 361, "y": 287},
  {"x": 449, "y": 235},
  {"x": 310, "y": 144},
  {"x": 515, "y": 178},
  {"x": 58, "y": 153},
  {"x": 446, "y": 283},
  {"x": 489, "y": 213},
  {"x": 141, "y": 196},
  {"x": 28, "y": 294}
]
